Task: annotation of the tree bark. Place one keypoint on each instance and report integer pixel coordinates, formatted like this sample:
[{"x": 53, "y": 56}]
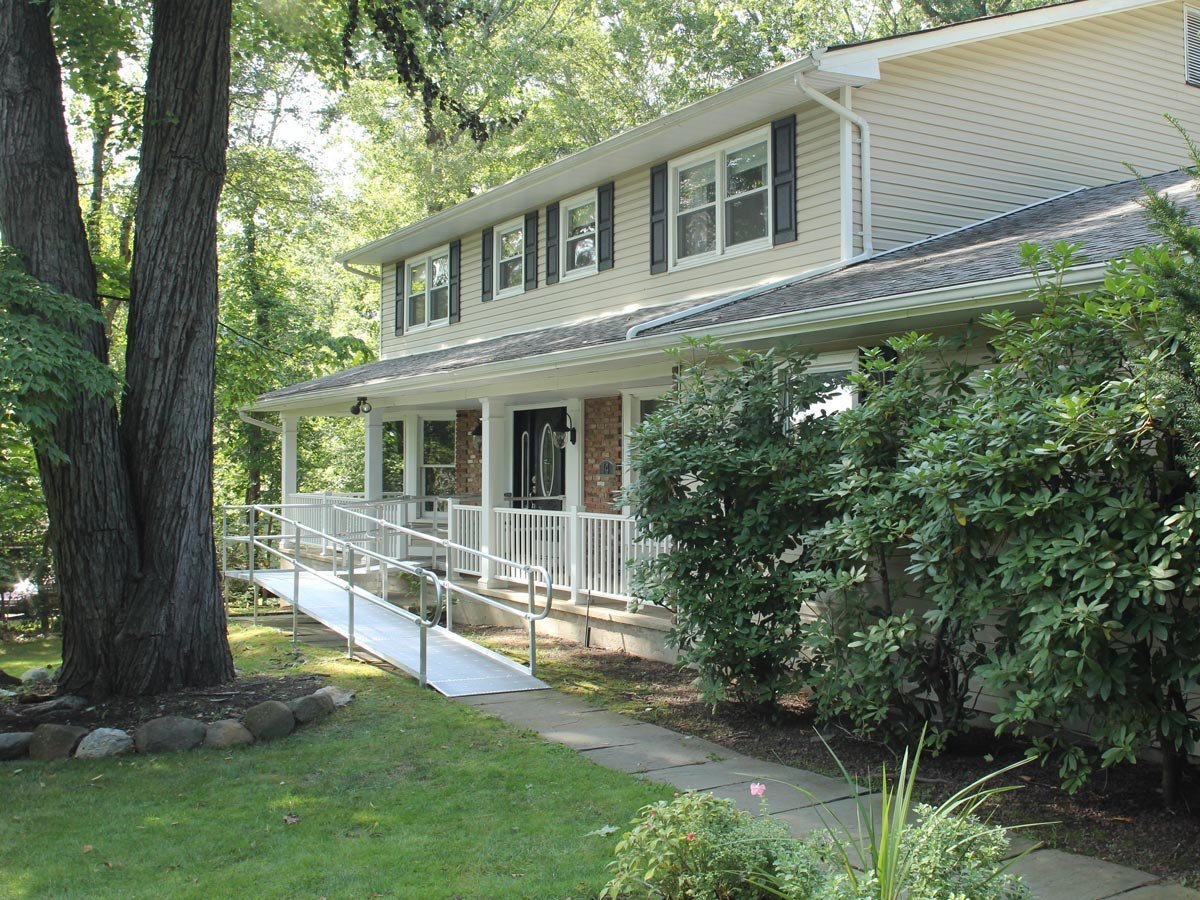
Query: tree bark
[
  {"x": 174, "y": 633},
  {"x": 88, "y": 497}
]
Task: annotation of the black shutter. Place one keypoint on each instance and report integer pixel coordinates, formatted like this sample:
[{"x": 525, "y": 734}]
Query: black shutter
[
  {"x": 399, "y": 298},
  {"x": 531, "y": 250},
  {"x": 783, "y": 179},
  {"x": 658, "y": 219},
  {"x": 604, "y": 226},
  {"x": 485, "y": 255},
  {"x": 455, "y": 280},
  {"x": 552, "y": 244}
]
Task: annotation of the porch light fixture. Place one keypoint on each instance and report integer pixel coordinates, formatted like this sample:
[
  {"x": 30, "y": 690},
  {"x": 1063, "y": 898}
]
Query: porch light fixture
[
  {"x": 477, "y": 435},
  {"x": 570, "y": 434},
  {"x": 360, "y": 406}
]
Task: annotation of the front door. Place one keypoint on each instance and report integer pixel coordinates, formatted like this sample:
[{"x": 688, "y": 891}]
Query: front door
[{"x": 538, "y": 459}]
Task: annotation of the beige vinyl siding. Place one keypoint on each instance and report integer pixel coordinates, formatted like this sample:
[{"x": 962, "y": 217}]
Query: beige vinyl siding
[
  {"x": 629, "y": 283},
  {"x": 967, "y": 132}
]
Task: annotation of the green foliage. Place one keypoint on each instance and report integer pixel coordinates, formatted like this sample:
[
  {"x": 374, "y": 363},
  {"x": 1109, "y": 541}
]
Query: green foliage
[
  {"x": 873, "y": 658},
  {"x": 729, "y": 467},
  {"x": 44, "y": 361},
  {"x": 695, "y": 846}
]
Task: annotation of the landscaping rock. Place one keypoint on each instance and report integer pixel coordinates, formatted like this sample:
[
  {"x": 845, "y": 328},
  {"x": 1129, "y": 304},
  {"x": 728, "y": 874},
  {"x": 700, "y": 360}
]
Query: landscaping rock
[
  {"x": 55, "y": 741},
  {"x": 226, "y": 734},
  {"x": 339, "y": 695},
  {"x": 15, "y": 745},
  {"x": 104, "y": 742},
  {"x": 269, "y": 720},
  {"x": 37, "y": 676},
  {"x": 169, "y": 734},
  {"x": 312, "y": 708}
]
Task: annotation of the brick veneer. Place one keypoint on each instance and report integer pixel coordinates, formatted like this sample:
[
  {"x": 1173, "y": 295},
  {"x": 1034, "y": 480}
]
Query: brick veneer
[
  {"x": 468, "y": 459},
  {"x": 601, "y": 442}
]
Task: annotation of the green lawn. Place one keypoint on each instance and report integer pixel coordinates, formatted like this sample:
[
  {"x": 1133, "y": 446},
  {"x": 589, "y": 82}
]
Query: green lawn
[
  {"x": 401, "y": 794},
  {"x": 18, "y": 656}
]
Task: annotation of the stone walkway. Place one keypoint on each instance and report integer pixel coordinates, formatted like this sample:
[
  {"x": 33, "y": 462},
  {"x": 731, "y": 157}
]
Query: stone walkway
[{"x": 694, "y": 764}]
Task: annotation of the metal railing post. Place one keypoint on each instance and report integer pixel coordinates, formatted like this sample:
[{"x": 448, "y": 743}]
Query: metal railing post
[
  {"x": 422, "y": 677},
  {"x": 253, "y": 583},
  {"x": 450, "y": 533},
  {"x": 295, "y": 586},
  {"x": 350, "y": 605},
  {"x": 532, "y": 627}
]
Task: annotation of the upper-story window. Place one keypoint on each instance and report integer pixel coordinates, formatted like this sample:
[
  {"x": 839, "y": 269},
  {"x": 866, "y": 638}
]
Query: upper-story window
[
  {"x": 510, "y": 258},
  {"x": 579, "y": 235},
  {"x": 721, "y": 200},
  {"x": 427, "y": 290}
]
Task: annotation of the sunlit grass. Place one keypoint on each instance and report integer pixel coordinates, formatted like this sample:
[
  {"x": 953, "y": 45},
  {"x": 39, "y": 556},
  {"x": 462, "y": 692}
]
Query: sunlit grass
[
  {"x": 403, "y": 793},
  {"x": 21, "y": 654}
]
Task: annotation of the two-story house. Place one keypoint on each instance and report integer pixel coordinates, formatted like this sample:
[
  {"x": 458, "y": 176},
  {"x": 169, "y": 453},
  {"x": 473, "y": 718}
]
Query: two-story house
[{"x": 857, "y": 192}]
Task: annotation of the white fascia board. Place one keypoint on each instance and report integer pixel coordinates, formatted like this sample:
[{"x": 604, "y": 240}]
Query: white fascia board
[
  {"x": 852, "y": 57},
  {"x": 960, "y": 299},
  {"x": 726, "y": 112}
]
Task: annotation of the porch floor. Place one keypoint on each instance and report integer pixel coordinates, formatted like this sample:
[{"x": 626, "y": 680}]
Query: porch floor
[{"x": 456, "y": 667}]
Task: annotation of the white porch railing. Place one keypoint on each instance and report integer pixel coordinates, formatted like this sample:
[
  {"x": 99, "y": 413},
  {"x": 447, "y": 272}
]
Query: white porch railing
[
  {"x": 465, "y": 528},
  {"x": 590, "y": 553}
]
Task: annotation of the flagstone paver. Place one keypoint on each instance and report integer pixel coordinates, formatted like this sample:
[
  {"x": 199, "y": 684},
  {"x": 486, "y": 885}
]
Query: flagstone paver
[{"x": 693, "y": 764}]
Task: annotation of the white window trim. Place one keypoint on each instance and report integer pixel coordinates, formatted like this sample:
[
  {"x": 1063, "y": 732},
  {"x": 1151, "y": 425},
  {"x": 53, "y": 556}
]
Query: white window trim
[
  {"x": 564, "y": 208},
  {"x": 423, "y": 260},
  {"x": 424, "y": 515},
  {"x": 716, "y": 152},
  {"x": 517, "y": 224}
]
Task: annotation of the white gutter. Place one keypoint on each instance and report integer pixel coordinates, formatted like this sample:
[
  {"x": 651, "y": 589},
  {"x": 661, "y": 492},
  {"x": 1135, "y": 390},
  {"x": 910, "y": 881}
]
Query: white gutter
[
  {"x": 796, "y": 278},
  {"x": 864, "y": 156},
  {"x": 259, "y": 423}
]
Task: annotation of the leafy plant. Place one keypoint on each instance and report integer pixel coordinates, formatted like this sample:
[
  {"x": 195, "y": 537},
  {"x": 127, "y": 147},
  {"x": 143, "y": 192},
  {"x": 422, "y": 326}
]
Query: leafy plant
[
  {"x": 730, "y": 469},
  {"x": 695, "y": 846},
  {"x": 916, "y": 851}
]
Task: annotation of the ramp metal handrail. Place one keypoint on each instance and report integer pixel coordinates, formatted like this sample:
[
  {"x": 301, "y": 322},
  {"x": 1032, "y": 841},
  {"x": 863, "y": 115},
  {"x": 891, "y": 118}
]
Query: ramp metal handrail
[
  {"x": 254, "y": 542},
  {"x": 530, "y": 615}
]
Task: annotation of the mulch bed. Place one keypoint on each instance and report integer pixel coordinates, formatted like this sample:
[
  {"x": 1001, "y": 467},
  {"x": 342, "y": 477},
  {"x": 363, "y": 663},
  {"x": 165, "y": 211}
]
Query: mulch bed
[
  {"x": 1117, "y": 817},
  {"x": 223, "y": 701}
]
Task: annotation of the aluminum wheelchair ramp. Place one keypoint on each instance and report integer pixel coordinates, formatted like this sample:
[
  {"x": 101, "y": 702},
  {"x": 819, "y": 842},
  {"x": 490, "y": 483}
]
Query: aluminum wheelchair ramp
[{"x": 456, "y": 666}]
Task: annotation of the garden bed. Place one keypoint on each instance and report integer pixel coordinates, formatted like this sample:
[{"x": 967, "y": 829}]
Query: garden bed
[{"x": 1119, "y": 817}]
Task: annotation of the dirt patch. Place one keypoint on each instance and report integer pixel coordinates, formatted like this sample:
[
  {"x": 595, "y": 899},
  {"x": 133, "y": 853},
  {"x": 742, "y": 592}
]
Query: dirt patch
[
  {"x": 223, "y": 701},
  {"x": 1118, "y": 817}
]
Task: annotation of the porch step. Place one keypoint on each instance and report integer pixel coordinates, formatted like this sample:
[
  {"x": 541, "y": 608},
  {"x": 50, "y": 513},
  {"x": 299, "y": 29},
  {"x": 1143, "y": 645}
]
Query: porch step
[{"x": 456, "y": 666}]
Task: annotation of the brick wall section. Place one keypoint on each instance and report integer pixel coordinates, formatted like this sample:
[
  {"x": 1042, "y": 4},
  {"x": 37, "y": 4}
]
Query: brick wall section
[
  {"x": 468, "y": 459},
  {"x": 601, "y": 442}
]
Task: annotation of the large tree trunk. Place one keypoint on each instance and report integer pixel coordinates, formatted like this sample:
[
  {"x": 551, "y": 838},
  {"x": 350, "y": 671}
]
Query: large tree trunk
[
  {"x": 175, "y": 630},
  {"x": 88, "y": 497}
]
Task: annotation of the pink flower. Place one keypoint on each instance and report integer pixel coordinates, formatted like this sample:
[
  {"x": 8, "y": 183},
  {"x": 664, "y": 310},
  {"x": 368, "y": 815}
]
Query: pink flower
[
  {"x": 691, "y": 836},
  {"x": 757, "y": 789}
]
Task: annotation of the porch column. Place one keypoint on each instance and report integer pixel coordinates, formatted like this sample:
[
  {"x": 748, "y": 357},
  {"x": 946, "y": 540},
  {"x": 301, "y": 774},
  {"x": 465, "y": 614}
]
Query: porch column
[
  {"x": 288, "y": 456},
  {"x": 574, "y": 501},
  {"x": 494, "y": 482},
  {"x": 373, "y": 456}
]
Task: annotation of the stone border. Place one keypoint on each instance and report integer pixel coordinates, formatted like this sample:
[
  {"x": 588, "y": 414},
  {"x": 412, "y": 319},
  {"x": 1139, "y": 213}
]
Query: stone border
[{"x": 266, "y": 721}]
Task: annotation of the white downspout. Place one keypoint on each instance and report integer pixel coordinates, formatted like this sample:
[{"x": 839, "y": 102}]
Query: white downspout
[{"x": 864, "y": 156}]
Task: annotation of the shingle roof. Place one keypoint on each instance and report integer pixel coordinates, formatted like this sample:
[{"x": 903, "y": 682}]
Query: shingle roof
[
  {"x": 1108, "y": 221},
  {"x": 527, "y": 344}
]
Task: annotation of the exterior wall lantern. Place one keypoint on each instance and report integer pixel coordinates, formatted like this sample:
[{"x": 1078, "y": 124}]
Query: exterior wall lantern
[{"x": 570, "y": 434}]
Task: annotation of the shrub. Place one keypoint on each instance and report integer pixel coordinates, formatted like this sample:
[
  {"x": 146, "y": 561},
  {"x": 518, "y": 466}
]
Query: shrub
[
  {"x": 695, "y": 846},
  {"x": 874, "y": 660},
  {"x": 731, "y": 474}
]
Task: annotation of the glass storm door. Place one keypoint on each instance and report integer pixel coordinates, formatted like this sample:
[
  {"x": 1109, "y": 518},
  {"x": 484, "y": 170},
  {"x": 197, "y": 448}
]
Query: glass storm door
[{"x": 538, "y": 460}]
